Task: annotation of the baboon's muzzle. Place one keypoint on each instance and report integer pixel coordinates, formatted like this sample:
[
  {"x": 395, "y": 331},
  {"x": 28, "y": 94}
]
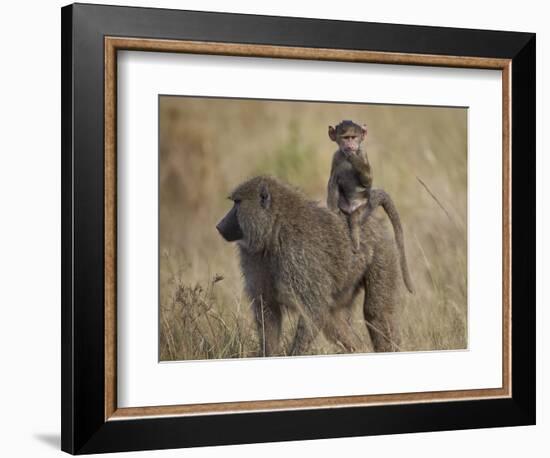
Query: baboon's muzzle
[{"x": 229, "y": 227}]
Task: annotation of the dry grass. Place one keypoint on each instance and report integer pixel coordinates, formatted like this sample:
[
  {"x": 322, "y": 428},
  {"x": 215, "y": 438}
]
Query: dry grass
[{"x": 208, "y": 146}]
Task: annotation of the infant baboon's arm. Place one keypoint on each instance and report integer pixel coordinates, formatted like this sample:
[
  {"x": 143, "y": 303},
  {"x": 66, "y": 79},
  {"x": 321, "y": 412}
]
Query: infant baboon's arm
[
  {"x": 333, "y": 193},
  {"x": 360, "y": 163}
]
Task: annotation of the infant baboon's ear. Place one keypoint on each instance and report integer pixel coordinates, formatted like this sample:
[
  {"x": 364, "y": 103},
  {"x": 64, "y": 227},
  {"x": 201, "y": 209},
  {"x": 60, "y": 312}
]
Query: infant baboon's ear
[
  {"x": 364, "y": 130},
  {"x": 265, "y": 196},
  {"x": 332, "y": 133}
]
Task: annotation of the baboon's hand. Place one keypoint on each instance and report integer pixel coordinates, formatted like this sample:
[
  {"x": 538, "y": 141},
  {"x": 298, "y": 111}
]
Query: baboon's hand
[{"x": 347, "y": 154}]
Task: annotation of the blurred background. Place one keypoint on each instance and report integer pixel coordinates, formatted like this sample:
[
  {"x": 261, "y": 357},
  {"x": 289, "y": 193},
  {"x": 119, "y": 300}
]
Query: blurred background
[{"x": 208, "y": 146}]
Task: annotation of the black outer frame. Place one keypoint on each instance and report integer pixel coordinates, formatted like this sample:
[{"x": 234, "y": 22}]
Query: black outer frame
[{"x": 83, "y": 426}]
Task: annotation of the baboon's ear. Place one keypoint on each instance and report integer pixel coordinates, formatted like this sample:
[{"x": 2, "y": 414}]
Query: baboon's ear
[
  {"x": 265, "y": 196},
  {"x": 364, "y": 130},
  {"x": 332, "y": 133}
]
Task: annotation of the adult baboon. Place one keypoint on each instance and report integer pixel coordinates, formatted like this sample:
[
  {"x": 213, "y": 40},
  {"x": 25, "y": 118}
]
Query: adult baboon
[
  {"x": 349, "y": 189},
  {"x": 293, "y": 256}
]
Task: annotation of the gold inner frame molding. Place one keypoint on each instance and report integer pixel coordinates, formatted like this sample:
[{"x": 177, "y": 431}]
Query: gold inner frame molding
[{"x": 114, "y": 44}]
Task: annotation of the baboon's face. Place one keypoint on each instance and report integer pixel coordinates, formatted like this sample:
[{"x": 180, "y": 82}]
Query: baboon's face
[
  {"x": 348, "y": 136},
  {"x": 229, "y": 226},
  {"x": 349, "y": 142},
  {"x": 250, "y": 219}
]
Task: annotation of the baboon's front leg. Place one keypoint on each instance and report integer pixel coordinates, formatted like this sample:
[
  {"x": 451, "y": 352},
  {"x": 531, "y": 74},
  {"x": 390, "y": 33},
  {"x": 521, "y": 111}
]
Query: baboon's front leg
[
  {"x": 306, "y": 331},
  {"x": 268, "y": 322}
]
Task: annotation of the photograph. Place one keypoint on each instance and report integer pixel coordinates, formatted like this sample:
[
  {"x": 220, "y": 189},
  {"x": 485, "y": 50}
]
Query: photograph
[
  {"x": 291, "y": 228},
  {"x": 275, "y": 229},
  {"x": 249, "y": 200}
]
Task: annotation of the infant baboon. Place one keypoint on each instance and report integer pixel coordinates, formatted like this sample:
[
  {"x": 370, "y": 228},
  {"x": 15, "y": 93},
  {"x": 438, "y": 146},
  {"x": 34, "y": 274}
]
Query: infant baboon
[
  {"x": 350, "y": 188},
  {"x": 293, "y": 256}
]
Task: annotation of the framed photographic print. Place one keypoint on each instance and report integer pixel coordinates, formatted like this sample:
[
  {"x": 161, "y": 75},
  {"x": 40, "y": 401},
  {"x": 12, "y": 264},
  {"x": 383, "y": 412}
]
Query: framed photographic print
[{"x": 284, "y": 228}]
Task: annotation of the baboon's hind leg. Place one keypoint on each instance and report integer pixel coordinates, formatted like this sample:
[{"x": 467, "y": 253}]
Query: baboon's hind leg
[
  {"x": 380, "y": 315},
  {"x": 338, "y": 329}
]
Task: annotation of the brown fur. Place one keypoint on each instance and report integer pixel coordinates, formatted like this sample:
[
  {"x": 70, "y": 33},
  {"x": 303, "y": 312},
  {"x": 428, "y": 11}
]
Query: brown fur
[
  {"x": 293, "y": 257},
  {"x": 350, "y": 180},
  {"x": 349, "y": 189}
]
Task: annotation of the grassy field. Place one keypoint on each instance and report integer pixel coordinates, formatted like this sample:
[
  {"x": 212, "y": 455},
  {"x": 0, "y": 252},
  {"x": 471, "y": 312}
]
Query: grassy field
[{"x": 208, "y": 146}]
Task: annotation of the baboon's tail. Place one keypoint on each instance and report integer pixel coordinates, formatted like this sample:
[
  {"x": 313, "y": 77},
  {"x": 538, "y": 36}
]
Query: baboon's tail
[{"x": 379, "y": 197}]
